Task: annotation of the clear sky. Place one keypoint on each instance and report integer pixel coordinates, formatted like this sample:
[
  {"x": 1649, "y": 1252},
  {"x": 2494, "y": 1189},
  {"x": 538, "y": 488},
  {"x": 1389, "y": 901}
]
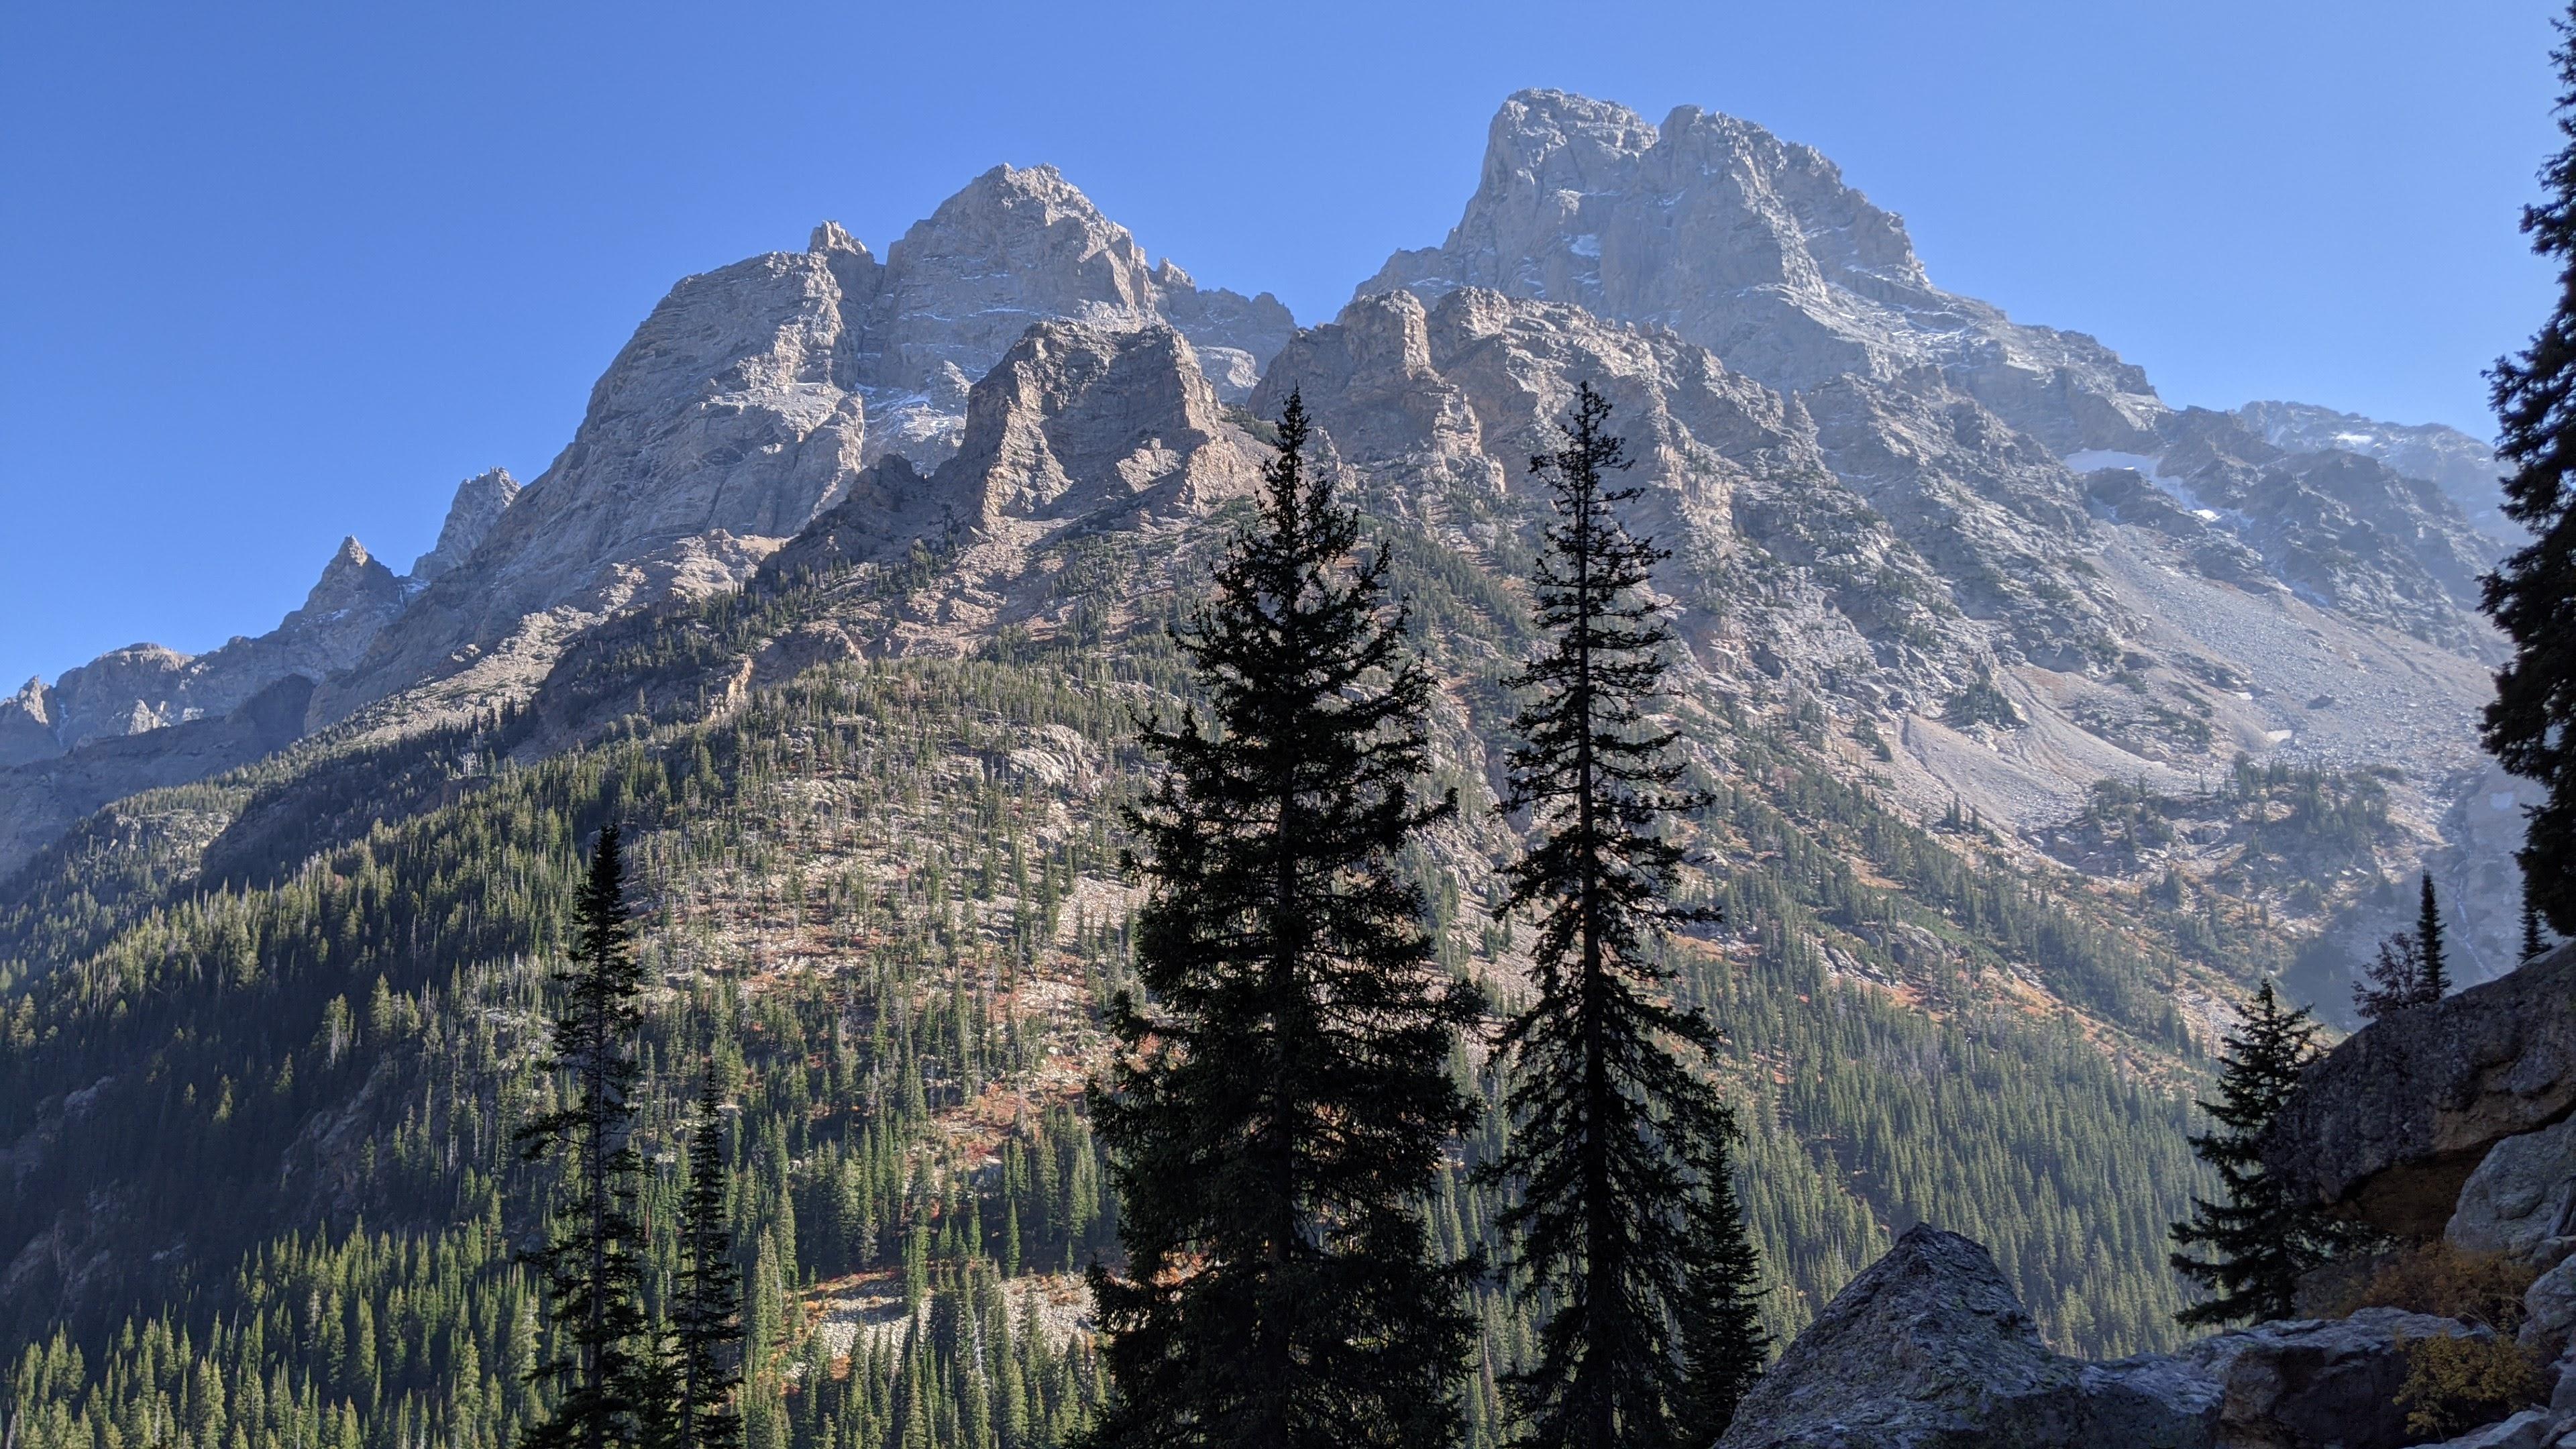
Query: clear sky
[{"x": 274, "y": 274}]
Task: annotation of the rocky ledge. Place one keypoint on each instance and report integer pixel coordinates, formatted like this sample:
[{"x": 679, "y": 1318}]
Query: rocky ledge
[{"x": 2390, "y": 1125}]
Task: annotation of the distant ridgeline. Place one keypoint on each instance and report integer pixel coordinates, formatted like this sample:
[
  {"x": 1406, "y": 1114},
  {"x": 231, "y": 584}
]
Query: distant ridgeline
[{"x": 2037, "y": 719}]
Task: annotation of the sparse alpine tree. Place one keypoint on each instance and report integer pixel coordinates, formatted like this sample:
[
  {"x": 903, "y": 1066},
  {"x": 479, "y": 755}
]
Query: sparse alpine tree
[
  {"x": 706, "y": 1313},
  {"x": 1626, "y": 1206},
  {"x": 591, "y": 1263},
  {"x": 2535, "y": 940},
  {"x": 1280, "y": 1098},
  {"x": 2428, "y": 944},
  {"x": 2259, "y": 1239},
  {"x": 2410, "y": 970},
  {"x": 2531, "y": 724}
]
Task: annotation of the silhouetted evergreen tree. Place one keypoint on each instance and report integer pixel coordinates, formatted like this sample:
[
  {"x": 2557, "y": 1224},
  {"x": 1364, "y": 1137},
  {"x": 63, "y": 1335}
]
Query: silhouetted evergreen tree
[
  {"x": 2428, "y": 944},
  {"x": 591, "y": 1261},
  {"x": 1280, "y": 1099},
  {"x": 2260, "y": 1239},
  {"x": 706, "y": 1312},
  {"x": 2533, "y": 941},
  {"x": 2410, "y": 969},
  {"x": 1609, "y": 1124},
  {"x": 2531, "y": 723},
  {"x": 1722, "y": 1337}
]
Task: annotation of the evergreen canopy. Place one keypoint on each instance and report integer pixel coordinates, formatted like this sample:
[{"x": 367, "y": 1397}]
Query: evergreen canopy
[
  {"x": 1282, "y": 1094},
  {"x": 2531, "y": 724}
]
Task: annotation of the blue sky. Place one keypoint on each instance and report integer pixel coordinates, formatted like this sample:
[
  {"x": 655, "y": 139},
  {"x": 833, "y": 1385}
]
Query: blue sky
[{"x": 272, "y": 274}]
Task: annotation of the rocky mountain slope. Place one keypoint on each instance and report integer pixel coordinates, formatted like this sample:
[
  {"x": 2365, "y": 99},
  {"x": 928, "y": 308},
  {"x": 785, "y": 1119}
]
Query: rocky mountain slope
[{"x": 2039, "y": 716}]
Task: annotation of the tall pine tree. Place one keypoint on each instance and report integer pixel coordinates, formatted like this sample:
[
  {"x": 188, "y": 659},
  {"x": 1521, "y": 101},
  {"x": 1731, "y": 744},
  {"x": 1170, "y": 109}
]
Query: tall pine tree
[
  {"x": 1626, "y": 1210},
  {"x": 2412, "y": 970},
  {"x": 2531, "y": 723},
  {"x": 591, "y": 1263},
  {"x": 2260, "y": 1239},
  {"x": 706, "y": 1311},
  {"x": 1280, "y": 1098},
  {"x": 2436, "y": 983}
]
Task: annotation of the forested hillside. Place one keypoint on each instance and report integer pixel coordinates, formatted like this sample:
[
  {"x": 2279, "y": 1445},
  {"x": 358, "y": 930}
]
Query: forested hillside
[{"x": 262, "y": 1076}]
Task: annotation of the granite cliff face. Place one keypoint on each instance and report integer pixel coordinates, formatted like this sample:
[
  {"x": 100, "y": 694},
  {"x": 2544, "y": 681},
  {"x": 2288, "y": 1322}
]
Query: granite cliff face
[{"x": 1754, "y": 248}]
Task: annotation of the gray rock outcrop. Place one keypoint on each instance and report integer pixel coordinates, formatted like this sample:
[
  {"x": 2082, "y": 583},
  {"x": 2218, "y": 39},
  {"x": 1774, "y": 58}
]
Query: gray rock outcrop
[
  {"x": 41, "y": 800},
  {"x": 2521, "y": 1199},
  {"x": 1929, "y": 1349},
  {"x": 2389, "y": 1126},
  {"x": 2461, "y": 466},
  {"x": 478, "y": 505}
]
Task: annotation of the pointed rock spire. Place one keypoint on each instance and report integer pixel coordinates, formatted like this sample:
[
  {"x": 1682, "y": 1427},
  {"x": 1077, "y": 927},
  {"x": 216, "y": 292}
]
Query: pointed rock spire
[{"x": 478, "y": 504}]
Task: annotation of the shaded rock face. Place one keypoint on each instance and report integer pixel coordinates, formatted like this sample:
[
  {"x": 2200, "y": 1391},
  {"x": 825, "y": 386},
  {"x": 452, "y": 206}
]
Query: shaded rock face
[
  {"x": 1754, "y": 248},
  {"x": 1463, "y": 390},
  {"x": 1936, "y": 407},
  {"x": 41, "y": 800},
  {"x": 147, "y": 687},
  {"x": 1079, "y": 417},
  {"x": 2391, "y": 1124},
  {"x": 2463, "y": 467},
  {"x": 1928, "y": 1349},
  {"x": 2339, "y": 528}
]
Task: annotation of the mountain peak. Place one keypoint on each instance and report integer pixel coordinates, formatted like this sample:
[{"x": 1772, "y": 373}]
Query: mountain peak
[
  {"x": 352, "y": 580},
  {"x": 1757, "y": 249},
  {"x": 478, "y": 504}
]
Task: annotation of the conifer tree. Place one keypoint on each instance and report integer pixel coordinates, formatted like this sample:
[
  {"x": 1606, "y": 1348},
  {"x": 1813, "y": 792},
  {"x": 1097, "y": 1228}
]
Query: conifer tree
[
  {"x": 591, "y": 1263},
  {"x": 1618, "y": 1144},
  {"x": 2436, "y": 982},
  {"x": 2411, "y": 969},
  {"x": 706, "y": 1314},
  {"x": 2534, "y": 942},
  {"x": 2531, "y": 724},
  {"x": 1722, "y": 1338},
  {"x": 2260, "y": 1239},
  {"x": 1280, "y": 1099}
]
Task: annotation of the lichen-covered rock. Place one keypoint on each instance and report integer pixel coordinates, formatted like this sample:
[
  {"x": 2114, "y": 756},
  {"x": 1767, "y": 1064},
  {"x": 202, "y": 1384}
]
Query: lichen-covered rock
[
  {"x": 2390, "y": 1125},
  {"x": 1929, "y": 1349},
  {"x": 2521, "y": 1198}
]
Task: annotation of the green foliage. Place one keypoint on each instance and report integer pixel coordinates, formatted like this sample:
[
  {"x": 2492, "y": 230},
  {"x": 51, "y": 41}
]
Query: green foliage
[
  {"x": 1278, "y": 1105},
  {"x": 705, "y": 1361},
  {"x": 2262, "y": 1238},
  {"x": 1979, "y": 701},
  {"x": 591, "y": 1262},
  {"x": 2447, "y": 1282},
  {"x": 2530, "y": 726},
  {"x": 1617, "y": 1144},
  {"x": 2455, "y": 1384}
]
